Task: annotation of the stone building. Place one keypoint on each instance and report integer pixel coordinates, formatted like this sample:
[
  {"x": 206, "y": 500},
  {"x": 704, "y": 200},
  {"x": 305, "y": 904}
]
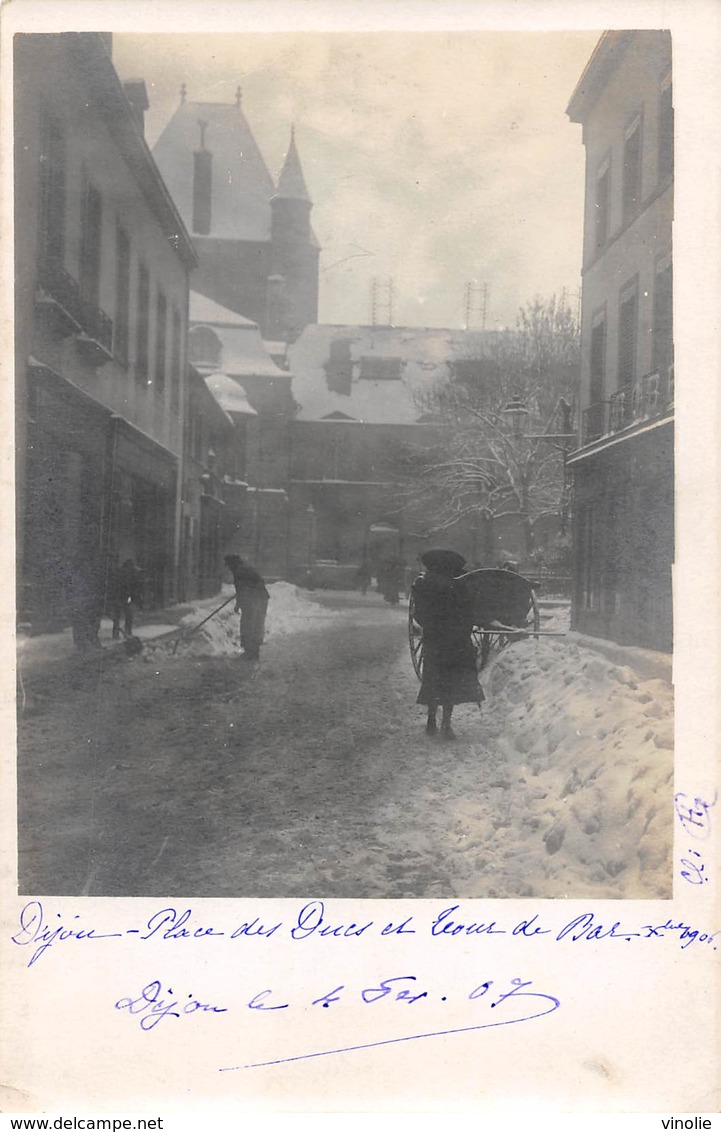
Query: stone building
[
  {"x": 102, "y": 262},
  {"x": 255, "y": 394},
  {"x": 365, "y": 397},
  {"x": 257, "y": 253},
  {"x": 624, "y": 470}
]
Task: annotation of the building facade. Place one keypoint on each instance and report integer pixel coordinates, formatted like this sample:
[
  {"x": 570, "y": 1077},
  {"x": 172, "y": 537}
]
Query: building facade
[
  {"x": 255, "y": 394},
  {"x": 102, "y": 266},
  {"x": 366, "y": 403},
  {"x": 623, "y": 470},
  {"x": 257, "y": 253}
]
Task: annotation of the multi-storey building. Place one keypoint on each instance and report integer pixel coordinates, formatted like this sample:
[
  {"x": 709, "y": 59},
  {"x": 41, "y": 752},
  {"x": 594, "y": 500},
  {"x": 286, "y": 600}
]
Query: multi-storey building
[
  {"x": 623, "y": 469},
  {"x": 102, "y": 265}
]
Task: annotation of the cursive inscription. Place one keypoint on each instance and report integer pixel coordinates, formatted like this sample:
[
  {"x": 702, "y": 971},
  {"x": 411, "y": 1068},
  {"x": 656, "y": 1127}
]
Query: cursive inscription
[{"x": 154, "y": 1004}]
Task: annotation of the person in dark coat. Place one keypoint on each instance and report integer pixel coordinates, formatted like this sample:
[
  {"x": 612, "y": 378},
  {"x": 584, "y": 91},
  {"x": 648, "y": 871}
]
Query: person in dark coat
[
  {"x": 390, "y": 580},
  {"x": 251, "y": 600},
  {"x": 126, "y": 597},
  {"x": 443, "y": 609}
]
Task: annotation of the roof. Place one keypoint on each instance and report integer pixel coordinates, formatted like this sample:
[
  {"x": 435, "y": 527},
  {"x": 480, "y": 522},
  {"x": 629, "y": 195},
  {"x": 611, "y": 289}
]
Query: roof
[
  {"x": 203, "y": 309},
  {"x": 421, "y": 357},
  {"x": 229, "y": 394},
  {"x": 242, "y": 185},
  {"x": 605, "y": 58},
  {"x": 291, "y": 183},
  {"x": 242, "y": 350}
]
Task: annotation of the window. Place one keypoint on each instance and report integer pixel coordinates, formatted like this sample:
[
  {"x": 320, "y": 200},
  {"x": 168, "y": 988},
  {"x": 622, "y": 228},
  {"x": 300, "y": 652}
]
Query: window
[
  {"x": 663, "y": 316},
  {"x": 598, "y": 358},
  {"x": 632, "y": 169},
  {"x": 603, "y": 196},
  {"x": 627, "y": 334},
  {"x": 665, "y": 131},
  {"x": 51, "y": 233},
  {"x": 92, "y": 217},
  {"x": 142, "y": 326},
  {"x": 204, "y": 347},
  {"x": 161, "y": 311},
  {"x": 122, "y": 295},
  {"x": 380, "y": 369},
  {"x": 339, "y": 366},
  {"x": 175, "y": 363}
]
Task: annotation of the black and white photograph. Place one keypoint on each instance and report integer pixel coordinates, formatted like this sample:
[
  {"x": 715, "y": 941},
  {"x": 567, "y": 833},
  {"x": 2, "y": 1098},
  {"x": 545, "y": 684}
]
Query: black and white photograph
[
  {"x": 349, "y": 583},
  {"x": 345, "y": 464}
]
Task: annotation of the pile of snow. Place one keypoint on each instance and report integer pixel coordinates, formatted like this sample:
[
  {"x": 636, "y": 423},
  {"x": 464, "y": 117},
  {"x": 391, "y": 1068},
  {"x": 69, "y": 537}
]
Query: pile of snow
[
  {"x": 582, "y": 771},
  {"x": 290, "y": 610}
]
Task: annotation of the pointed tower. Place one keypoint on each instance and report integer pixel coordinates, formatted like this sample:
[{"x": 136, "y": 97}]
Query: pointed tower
[{"x": 292, "y": 300}]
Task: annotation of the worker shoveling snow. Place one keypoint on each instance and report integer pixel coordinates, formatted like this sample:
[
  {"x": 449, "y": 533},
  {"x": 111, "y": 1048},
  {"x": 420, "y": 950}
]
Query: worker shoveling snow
[{"x": 290, "y": 610}]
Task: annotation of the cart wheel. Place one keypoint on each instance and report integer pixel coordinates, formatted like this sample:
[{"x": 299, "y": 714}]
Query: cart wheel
[
  {"x": 536, "y": 613},
  {"x": 415, "y": 640}
]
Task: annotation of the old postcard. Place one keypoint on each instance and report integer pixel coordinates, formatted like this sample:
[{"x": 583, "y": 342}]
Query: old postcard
[{"x": 364, "y": 623}]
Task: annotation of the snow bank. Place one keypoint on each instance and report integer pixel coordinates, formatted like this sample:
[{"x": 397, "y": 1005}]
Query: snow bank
[
  {"x": 290, "y": 610},
  {"x": 582, "y": 776}
]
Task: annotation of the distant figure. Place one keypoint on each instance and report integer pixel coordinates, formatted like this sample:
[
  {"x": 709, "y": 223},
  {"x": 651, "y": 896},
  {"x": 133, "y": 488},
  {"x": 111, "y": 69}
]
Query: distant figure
[
  {"x": 443, "y": 608},
  {"x": 251, "y": 600},
  {"x": 363, "y": 576},
  {"x": 126, "y": 597},
  {"x": 391, "y": 580},
  {"x": 85, "y": 591}
]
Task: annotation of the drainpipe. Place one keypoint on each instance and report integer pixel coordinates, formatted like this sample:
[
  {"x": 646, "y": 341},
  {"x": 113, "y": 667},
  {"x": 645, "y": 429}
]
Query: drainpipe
[{"x": 180, "y": 481}]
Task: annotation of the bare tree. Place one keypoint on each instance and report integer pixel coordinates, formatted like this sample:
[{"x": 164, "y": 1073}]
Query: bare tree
[{"x": 491, "y": 454}]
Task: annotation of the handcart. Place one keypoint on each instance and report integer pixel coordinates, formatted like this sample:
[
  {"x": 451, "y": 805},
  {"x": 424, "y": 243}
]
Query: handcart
[{"x": 505, "y": 609}]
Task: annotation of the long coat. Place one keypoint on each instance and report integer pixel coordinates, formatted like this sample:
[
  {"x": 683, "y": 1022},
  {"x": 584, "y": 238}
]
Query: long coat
[{"x": 443, "y": 609}]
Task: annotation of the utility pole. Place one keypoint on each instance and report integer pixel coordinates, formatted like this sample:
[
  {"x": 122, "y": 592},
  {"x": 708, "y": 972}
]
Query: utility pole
[
  {"x": 476, "y": 305},
  {"x": 382, "y": 301}
]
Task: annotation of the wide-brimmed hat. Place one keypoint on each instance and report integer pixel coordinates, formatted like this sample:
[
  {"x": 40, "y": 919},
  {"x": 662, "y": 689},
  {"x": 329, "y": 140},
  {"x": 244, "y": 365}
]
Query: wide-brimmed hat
[{"x": 444, "y": 561}]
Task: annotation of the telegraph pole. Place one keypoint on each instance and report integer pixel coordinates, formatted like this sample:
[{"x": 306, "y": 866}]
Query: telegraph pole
[
  {"x": 382, "y": 301},
  {"x": 476, "y": 303}
]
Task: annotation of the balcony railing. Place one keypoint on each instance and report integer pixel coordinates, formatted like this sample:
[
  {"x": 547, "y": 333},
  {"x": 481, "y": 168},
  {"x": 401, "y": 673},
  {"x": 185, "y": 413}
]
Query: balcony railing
[
  {"x": 97, "y": 325},
  {"x": 649, "y": 397},
  {"x": 59, "y": 294}
]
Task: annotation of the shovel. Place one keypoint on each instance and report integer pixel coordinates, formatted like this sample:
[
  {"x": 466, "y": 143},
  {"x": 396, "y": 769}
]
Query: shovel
[{"x": 185, "y": 634}]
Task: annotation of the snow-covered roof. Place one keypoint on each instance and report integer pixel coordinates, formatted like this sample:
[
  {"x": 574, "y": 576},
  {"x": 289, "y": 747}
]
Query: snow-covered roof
[
  {"x": 241, "y": 350},
  {"x": 229, "y": 394},
  {"x": 375, "y": 374},
  {"x": 203, "y": 309}
]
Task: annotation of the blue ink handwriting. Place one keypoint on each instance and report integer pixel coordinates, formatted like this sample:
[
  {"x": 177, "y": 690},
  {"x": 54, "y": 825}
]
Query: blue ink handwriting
[
  {"x": 517, "y": 995},
  {"x": 693, "y": 871},
  {"x": 694, "y": 815},
  {"x": 153, "y": 1008},
  {"x": 41, "y": 932},
  {"x": 34, "y": 929}
]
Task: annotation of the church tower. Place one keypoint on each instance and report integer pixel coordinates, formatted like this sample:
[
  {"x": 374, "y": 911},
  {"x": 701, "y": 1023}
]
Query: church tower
[
  {"x": 292, "y": 300},
  {"x": 257, "y": 254}
]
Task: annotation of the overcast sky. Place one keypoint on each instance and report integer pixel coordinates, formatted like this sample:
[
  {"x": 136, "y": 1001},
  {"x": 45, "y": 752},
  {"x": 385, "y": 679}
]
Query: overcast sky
[{"x": 434, "y": 158}]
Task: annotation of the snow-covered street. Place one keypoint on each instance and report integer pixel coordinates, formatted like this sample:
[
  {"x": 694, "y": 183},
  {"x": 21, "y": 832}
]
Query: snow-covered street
[{"x": 185, "y": 771}]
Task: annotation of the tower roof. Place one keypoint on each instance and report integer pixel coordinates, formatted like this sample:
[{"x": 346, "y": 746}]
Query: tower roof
[
  {"x": 242, "y": 185},
  {"x": 291, "y": 183}
]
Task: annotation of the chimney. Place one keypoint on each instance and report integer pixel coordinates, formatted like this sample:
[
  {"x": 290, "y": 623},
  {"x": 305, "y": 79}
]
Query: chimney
[
  {"x": 202, "y": 185},
  {"x": 137, "y": 96}
]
